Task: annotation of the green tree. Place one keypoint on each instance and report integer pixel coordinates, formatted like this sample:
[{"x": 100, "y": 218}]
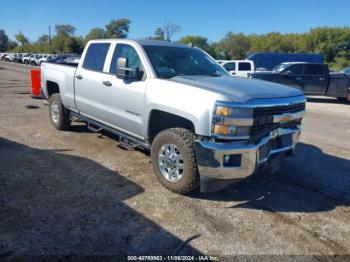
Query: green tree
[
  {"x": 67, "y": 44},
  {"x": 195, "y": 40},
  {"x": 159, "y": 34},
  {"x": 22, "y": 39},
  {"x": 234, "y": 46},
  {"x": 4, "y": 41},
  {"x": 96, "y": 33},
  {"x": 329, "y": 41},
  {"x": 118, "y": 28},
  {"x": 65, "y": 41},
  {"x": 12, "y": 45},
  {"x": 199, "y": 41},
  {"x": 65, "y": 30},
  {"x": 43, "y": 40}
]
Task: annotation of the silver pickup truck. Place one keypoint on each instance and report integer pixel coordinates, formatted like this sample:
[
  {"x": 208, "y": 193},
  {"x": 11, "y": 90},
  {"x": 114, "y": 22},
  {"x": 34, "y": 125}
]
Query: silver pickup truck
[{"x": 198, "y": 122}]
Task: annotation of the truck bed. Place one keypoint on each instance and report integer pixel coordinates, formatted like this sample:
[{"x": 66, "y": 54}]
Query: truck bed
[
  {"x": 338, "y": 85},
  {"x": 64, "y": 64},
  {"x": 62, "y": 75}
]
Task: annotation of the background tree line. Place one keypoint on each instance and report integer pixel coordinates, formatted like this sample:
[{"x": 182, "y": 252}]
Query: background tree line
[{"x": 332, "y": 42}]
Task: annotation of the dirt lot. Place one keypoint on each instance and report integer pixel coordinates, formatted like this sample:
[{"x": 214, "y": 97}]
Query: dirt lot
[{"x": 77, "y": 193}]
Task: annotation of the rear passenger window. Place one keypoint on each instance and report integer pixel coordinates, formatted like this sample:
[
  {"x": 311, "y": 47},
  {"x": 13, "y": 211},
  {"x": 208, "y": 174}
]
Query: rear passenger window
[
  {"x": 244, "y": 67},
  {"x": 95, "y": 56},
  {"x": 230, "y": 66},
  {"x": 314, "y": 70}
]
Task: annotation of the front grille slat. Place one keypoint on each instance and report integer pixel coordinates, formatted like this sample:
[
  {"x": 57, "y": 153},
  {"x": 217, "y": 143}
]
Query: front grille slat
[
  {"x": 276, "y": 110},
  {"x": 263, "y": 120}
]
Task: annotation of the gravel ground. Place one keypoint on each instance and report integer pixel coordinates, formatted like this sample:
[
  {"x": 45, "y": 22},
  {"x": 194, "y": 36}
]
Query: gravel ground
[{"x": 77, "y": 193}]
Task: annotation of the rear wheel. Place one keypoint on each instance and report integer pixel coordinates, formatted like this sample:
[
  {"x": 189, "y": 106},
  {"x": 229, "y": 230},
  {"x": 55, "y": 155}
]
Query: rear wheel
[
  {"x": 59, "y": 115},
  {"x": 173, "y": 160}
]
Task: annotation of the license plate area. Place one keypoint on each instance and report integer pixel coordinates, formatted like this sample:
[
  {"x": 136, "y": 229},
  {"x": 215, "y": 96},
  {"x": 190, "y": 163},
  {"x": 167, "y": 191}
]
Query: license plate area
[{"x": 276, "y": 143}]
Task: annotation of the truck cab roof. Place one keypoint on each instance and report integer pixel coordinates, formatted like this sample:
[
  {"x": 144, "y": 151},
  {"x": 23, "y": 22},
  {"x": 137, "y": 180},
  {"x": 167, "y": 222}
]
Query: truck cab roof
[{"x": 142, "y": 42}]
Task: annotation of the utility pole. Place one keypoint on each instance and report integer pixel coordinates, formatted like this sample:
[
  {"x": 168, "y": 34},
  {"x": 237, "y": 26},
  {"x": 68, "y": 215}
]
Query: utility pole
[{"x": 50, "y": 39}]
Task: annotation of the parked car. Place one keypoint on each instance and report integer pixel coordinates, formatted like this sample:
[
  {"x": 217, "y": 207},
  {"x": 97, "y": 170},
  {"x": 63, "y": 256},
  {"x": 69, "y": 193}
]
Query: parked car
[
  {"x": 10, "y": 57},
  {"x": 17, "y": 58},
  {"x": 60, "y": 59},
  {"x": 32, "y": 58},
  {"x": 345, "y": 71},
  {"x": 267, "y": 61},
  {"x": 73, "y": 59},
  {"x": 198, "y": 122},
  {"x": 3, "y": 56},
  {"x": 36, "y": 60},
  {"x": 20, "y": 57},
  {"x": 238, "y": 67},
  {"x": 311, "y": 78},
  {"x": 26, "y": 58},
  {"x": 43, "y": 58}
]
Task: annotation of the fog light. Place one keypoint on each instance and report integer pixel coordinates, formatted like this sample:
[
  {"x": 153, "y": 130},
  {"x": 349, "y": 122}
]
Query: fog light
[
  {"x": 224, "y": 130},
  {"x": 232, "y": 160}
]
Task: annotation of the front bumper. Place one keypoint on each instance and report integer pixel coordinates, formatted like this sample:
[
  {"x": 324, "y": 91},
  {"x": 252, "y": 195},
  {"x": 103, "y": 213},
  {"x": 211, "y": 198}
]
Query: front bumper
[{"x": 247, "y": 158}]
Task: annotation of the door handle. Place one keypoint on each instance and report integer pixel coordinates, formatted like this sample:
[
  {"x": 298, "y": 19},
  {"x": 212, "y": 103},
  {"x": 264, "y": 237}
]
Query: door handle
[
  {"x": 299, "y": 78},
  {"x": 107, "y": 83},
  {"x": 79, "y": 77},
  {"x": 322, "y": 78}
]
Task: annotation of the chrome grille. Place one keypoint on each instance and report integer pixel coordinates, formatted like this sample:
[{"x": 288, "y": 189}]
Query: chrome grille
[
  {"x": 276, "y": 110},
  {"x": 263, "y": 120}
]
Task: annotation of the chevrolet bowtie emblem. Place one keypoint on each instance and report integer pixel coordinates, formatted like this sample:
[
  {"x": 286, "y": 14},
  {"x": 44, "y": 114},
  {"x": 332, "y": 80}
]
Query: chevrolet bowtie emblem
[{"x": 286, "y": 118}]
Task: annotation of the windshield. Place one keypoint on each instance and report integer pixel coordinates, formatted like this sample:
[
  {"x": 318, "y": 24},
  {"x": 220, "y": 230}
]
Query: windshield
[
  {"x": 182, "y": 61},
  {"x": 345, "y": 71},
  {"x": 280, "y": 67}
]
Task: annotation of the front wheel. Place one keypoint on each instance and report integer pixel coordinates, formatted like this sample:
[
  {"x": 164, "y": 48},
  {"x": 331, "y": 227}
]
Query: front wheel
[
  {"x": 59, "y": 115},
  {"x": 173, "y": 160}
]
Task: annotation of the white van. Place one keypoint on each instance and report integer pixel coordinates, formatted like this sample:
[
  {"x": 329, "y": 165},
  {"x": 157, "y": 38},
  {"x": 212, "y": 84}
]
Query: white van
[{"x": 238, "y": 67}]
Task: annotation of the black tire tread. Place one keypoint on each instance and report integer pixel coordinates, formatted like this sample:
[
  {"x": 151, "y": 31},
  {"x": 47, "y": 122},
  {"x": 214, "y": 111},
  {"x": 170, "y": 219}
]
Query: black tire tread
[
  {"x": 186, "y": 138},
  {"x": 64, "y": 123}
]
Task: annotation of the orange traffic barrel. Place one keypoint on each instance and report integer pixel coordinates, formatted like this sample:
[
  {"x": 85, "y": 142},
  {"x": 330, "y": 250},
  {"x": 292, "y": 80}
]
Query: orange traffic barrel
[{"x": 35, "y": 78}]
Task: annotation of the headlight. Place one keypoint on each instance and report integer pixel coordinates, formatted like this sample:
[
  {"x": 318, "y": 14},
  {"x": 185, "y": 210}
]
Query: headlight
[
  {"x": 231, "y": 121},
  {"x": 234, "y": 112}
]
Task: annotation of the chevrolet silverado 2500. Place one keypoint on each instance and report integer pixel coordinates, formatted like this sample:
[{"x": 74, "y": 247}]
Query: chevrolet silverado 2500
[{"x": 176, "y": 101}]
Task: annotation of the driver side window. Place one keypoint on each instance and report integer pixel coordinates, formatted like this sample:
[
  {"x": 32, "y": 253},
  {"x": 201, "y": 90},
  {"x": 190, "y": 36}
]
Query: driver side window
[
  {"x": 128, "y": 52},
  {"x": 230, "y": 66}
]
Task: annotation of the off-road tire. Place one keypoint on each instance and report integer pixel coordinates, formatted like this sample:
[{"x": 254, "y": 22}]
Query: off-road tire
[
  {"x": 64, "y": 121},
  {"x": 183, "y": 139}
]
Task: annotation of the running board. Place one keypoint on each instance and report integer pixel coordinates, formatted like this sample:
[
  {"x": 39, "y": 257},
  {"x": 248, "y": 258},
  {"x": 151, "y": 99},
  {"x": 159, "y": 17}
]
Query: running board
[
  {"x": 91, "y": 127},
  {"x": 125, "y": 141},
  {"x": 125, "y": 144}
]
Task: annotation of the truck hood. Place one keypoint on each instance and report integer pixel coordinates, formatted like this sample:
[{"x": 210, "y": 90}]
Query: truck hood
[{"x": 239, "y": 89}]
